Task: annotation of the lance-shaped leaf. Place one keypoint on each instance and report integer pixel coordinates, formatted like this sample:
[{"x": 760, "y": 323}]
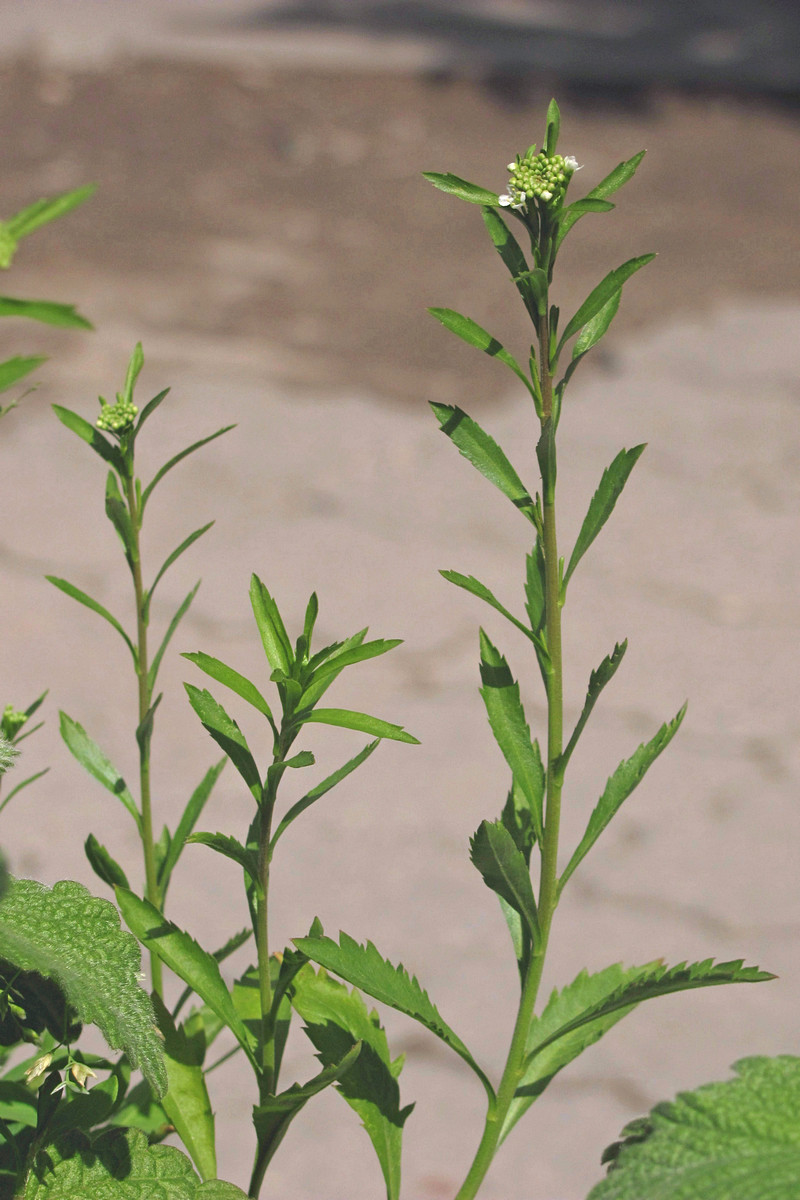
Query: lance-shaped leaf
[
  {"x": 600, "y": 296},
  {"x": 602, "y": 504},
  {"x": 535, "y": 590},
  {"x": 504, "y": 870},
  {"x": 470, "y": 584},
  {"x": 93, "y": 759},
  {"x": 277, "y": 646},
  {"x": 336, "y": 1019},
  {"x": 68, "y": 935},
  {"x": 231, "y": 848},
  {"x": 573, "y": 212},
  {"x": 331, "y": 656},
  {"x": 89, "y": 434},
  {"x": 356, "y": 654},
  {"x": 171, "y": 558},
  {"x": 612, "y": 182},
  {"x": 196, "y": 804},
  {"x": 736, "y": 1139},
  {"x": 65, "y": 315},
  {"x": 321, "y": 788},
  {"x": 159, "y": 475},
  {"x": 186, "y": 1102},
  {"x": 103, "y": 864},
  {"x": 485, "y": 455},
  {"x": 118, "y": 515},
  {"x": 151, "y": 407},
  {"x": 363, "y": 967},
  {"x": 181, "y": 953},
  {"x": 459, "y": 187},
  {"x": 552, "y": 129},
  {"x": 117, "y": 1163},
  {"x": 589, "y": 336},
  {"x": 232, "y": 679},
  {"x": 474, "y": 335},
  {"x": 500, "y": 694},
  {"x": 627, "y": 776},
  {"x": 227, "y": 734},
  {"x": 177, "y": 617},
  {"x": 42, "y": 211},
  {"x": 19, "y": 786},
  {"x": 597, "y": 681},
  {"x": 374, "y": 726},
  {"x": 14, "y": 369},
  {"x": 69, "y": 589}
]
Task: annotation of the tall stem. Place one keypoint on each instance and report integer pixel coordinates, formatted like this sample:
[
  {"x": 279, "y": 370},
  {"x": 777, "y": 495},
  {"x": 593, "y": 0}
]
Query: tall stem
[{"x": 152, "y": 890}]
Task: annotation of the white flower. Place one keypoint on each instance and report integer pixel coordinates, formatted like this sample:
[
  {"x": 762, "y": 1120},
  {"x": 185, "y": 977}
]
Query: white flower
[{"x": 571, "y": 163}]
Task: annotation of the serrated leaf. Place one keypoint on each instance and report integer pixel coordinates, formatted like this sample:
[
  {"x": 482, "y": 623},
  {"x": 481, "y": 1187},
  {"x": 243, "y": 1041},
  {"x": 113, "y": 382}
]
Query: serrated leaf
[
  {"x": 470, "y": 584},
  {"x": 69, "y": 589},
  {"x": 485, "y": 455},
  {"x": 14, "y": 369},
  {"x": 362, "y": 722},
  {"x": 189, "y": 817},
  {"x": 103, "y": 865},
  {"x": 600, "y": 296},
  {"x": 75, "y": 938},
  {"x": 46, "y": 311},
  {"x": 119, "y": 1163},
  {"x": 474, "y": 335},
  {"x": 460, "y": 187},
  {"x": 159, "y": 475},
  {"x": 504, "y": 870},
  {"x": 336, "y": 1020},
  {"x": 597, "y": 681},
  {"x": 321, "y": 788},
  {"x": 274, "y": 638},
  {"x": 185, "y": 957},
  {"x": 507, "y": 720},
  {"x": 737, "y": 1140},
  {"x": 186, "y": 1102},
  {"x": 602, "y": 504},
  {"x": 228, "y": 736},
  {"x": 363, "y": 967},
  {"x": 96, "y": 762},
  {"x": 231, "y": 678},
  {"x": 627, "y": 776}
]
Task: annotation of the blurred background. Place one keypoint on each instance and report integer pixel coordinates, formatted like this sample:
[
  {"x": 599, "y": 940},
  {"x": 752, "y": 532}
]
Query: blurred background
[{"x": 261, "y": 224}]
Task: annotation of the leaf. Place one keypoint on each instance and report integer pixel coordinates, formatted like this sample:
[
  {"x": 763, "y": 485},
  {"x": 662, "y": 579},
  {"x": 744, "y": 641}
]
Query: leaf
[
  {"x": 14, "y": 369},
  {"x": 485, "y": 455},
  {"x": 602, "y": 504},
  {"x": 231, "y": 848},
  {"x": 357, "y": 654},
  {"x": 593, "y": 330},
  {"x": 597, "y": 681},
  {"x": 459, "y": 187},
  {"x": 360, "y": 721},
  {"x": 275, "y": 640},
  {"x": 120, "y": 518},
  {"x": 93, "y": 759},
  {"x": 474, "y": 335},
  {"x": 505, "y": 871},
  {"x": 736, "y": 1140},
  {"x": 363, "y": 967},
  {"x": 182, "y": 955},
  {"x": 65, "y": 315},
  {"x": 470, "y": 584},
  {"x": 185, "y": 544},
  {"x": 151, "y": 407},
  {"x": 535, "y": 587},
  {"x": 573, "y": 212},
  {"x": 332, "y": 656},
  {"x": 43, "y": 211},
  {"x": 627, "y": 776},
  {"x": 84, "y": 1109},
  {"x": 186, "y": 1102},
  {"x": 600, "y": 296},
  {"x": 227, "y": 734},
  {"x": 159, "y": 475},
  {"x": 75, "y": 938},
  {"x": 321, "y": 788},
  {"x": 119, "y": 1163},
  {"x": 70, "y": 590},
  {"x": 612, "y": 182},
  {"x": 178, "y": 616},
  {"x": 103, "y": 865},
  {"x": 232, "y": 679},
  {"x": 507, "y": 720},
  {"x": 336, "y": 1020},
  {"x": 91, "y": 435},
  {"x": 22, "y": 784},
  {"x": 196, "y": 804}
]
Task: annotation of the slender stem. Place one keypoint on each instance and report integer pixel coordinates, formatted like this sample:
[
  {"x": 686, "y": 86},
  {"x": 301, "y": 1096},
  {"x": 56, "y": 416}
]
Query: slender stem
[{"x": 152, "y": 890}]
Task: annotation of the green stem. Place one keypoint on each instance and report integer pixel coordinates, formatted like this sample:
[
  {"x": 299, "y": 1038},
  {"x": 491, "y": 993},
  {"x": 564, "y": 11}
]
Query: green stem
[{"x": 152, "y": 890}]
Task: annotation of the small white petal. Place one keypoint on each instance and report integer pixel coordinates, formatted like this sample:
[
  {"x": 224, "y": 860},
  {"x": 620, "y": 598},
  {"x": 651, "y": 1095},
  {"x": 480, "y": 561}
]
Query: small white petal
[
  {"x": 571, "y": 163},
  {"x": 505, "y": 201}
]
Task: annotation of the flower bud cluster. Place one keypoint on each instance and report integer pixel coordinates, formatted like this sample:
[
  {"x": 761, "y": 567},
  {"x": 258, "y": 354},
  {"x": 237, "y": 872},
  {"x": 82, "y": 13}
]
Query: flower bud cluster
[
  {"x": 116, "y": 418},
  {"x": 11, "y": 721},
  {"x": 539, "y": 177}
]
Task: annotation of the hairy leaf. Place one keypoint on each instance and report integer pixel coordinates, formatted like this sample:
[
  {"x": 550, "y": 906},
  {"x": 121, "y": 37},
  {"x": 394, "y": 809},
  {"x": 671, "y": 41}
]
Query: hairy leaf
[{"x": 485, "y": 455}]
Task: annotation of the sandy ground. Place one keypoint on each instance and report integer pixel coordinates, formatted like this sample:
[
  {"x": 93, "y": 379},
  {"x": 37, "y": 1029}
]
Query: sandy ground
[{"x": 267, "y": 235}]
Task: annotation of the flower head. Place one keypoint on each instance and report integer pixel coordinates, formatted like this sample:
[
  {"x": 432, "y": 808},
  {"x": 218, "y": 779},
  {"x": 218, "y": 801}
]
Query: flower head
[
  {"x": 116, "y": 418},
  {"x": 541, "y": 178}
]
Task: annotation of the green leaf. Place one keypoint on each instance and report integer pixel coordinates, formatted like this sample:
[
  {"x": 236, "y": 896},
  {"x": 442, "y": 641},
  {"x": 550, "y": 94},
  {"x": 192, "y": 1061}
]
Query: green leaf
[
  {"x": 597, "y": 681},
  {"x": 573, "y": 212},
  {"x": 228, "y": 736},
  {"x": 602, "y": 504},
  {"x": 472, "y": 333},
  {"x": 627, "y": 776},
  {"x": 196, "y": 804},
  {"x": 65, "y": 315},
  {"x": 506, "y": 245},
  {"x": 459, "y": 187},
  {"x": 19, "y": 786},
  {"x": 14, "y": 369},
  {"x": 535, "y": 587},
  {"x": 17, "y": 1103},
  {"x": 232, "y": 679},
  {"x": 335, "y": 657},
  {"x": 75, "y": 938},
  {"x": 151, "y": 407},
  {"x": 70, "y": 590},
  {"x": 600, "y": 296},
  {"x": 185, "y": 544},
  {"x": 93, "y": 437},
  {"x": 336, "y": 1020},
  {"x": 360, "y": 721},
  {"x": 119, "y": 1163},
  {"x": 103, "y": 865},
  {"x": 553, "y": 128},
  {"x": 321, "y": 788},
  {"x": 593, "y": 330},
  {"x": 43, "y": 211},
  {"x": 507, "y": 720},
  {"x": 83, "y": 1110},
  {"x": 186, "y": 1102},
  {"x": 485, "y": 455},
  {"x": 228, "y": 846},
  {"x": 363, "y": 967},
  {"x": 357, "y": 654},
  {"x": 159, "y": 475},
  {"x": 275, "y": 640},
  {"x": 505, "y": 871},
  {"x": 120, "y": 518},
  {"x": 182, "y": 955},
  {"x": 612, "y": 182},
  {"x": 737, "y": 1140},
  {"x": 470, "y": 584},
  {"x": 178, "y": 616},
  {"x": 93, "y": 760}
]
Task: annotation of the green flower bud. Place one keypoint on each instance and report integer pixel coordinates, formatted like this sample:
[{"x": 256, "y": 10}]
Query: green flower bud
[
  {"x": 11, "y": 722},
  {"x": 541, "y": 176},
  {"x": 116, "y": 418}
]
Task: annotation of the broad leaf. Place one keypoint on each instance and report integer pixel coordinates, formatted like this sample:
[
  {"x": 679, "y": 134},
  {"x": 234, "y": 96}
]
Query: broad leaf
[
  {"x": 737, "y": 1140},
  {"x": 602, "y": 504},
  {"x": 485, "y": 455},
  {"x": 227, "y": 734},
  {"x": 75, "y": 938},
  {"x": 363, "y": 967},
  {"x": 504, "y": 870},
  {"x": 186, "y": 1102},
  {"x": 93, "y": 759},
  {"x": 70, "y": 590},
  {"x": 65, "y": 315},
  {"x": 232, "y": 679},
  {"x": 597, "y": 681},
  {"x": 627, "y": 776},
  {"x": 474, "y": 335},
  {"x": 360, "y": 721},
  {"x": 321, "y": 788},
  {"x": 459, "y": 187},
  {"x": 600, "y": 296}
]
